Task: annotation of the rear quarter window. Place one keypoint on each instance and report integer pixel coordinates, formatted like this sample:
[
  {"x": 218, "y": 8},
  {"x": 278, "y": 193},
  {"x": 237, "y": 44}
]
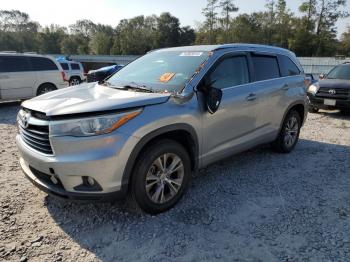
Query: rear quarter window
[
  {"x": 289, "y": 67},
  {"x": 265, "y": 67},
  {"x": 75, "y": 66},
  {"x": 42, "y": 64},
  {"x": 11, "y": 64}
]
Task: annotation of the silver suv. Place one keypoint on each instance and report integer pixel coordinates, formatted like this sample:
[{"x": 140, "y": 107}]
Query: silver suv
[{"x": 144, "y": 131}]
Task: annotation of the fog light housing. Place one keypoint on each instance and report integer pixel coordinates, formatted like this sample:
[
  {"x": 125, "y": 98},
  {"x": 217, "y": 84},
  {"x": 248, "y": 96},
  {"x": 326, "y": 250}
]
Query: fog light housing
[{"x": 89, "y": 185}]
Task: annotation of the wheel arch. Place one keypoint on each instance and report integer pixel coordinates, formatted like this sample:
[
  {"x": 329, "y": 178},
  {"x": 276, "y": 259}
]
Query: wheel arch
[
  {"x": 184, "y": 134},
  {"x": 298, "y": 106},
  {"x": 74, "y": 76},
  {"x": 42, "y": 84}
]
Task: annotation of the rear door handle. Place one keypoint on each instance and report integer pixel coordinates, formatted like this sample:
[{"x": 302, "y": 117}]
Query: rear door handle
[
  {"x": 251, "y": 97},
  {"x": 4, "y": 77}
]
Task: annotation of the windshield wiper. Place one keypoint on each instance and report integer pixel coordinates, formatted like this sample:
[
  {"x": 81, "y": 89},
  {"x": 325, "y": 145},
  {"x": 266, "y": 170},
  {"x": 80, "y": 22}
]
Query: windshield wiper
[{"x": 137, "y": 87}]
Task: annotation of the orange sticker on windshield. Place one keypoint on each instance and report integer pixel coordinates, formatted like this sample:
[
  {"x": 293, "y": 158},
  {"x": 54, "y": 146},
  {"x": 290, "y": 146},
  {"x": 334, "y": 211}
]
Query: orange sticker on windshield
[{"x": 165, "y": 78}]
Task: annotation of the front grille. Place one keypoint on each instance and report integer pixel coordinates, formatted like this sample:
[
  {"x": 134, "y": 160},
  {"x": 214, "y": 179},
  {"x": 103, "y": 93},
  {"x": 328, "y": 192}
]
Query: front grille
[
  {"x": 34, "y": 135},
  {"x": 340, "y": 93}
]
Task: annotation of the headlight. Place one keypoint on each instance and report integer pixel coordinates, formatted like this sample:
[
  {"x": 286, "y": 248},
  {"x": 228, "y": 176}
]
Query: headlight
[
  {"x": 313, "y": 89},
  {"x": 93, "y": 126}
]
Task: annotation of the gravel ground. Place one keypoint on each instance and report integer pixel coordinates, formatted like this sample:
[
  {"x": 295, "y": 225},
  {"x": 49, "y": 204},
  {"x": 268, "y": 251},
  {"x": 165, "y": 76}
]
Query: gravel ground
[{"x": 256, "y": 206}]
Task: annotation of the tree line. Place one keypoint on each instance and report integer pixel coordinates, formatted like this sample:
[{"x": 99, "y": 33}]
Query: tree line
[{"x": 311, "y": 33}]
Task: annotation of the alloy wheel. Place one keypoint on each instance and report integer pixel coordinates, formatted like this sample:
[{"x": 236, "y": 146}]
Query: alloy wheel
[
  {"x": 164, "y": 178},
  {"x": 291, "y": 131}
]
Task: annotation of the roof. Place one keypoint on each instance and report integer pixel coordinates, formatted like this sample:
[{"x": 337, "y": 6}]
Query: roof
[{"x": 208, "y": 48}]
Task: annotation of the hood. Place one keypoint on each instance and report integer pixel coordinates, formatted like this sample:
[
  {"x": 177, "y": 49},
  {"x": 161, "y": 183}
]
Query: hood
[
  {"x": 335, "y": 83},
  {"x": 92, "y": 97}
]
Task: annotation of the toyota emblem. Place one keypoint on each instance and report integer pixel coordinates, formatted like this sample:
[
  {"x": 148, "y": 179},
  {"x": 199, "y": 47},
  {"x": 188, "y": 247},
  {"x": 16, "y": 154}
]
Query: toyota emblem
[
  {"x": 25, "y": 120},
  {"x": 332, "y": 92}
]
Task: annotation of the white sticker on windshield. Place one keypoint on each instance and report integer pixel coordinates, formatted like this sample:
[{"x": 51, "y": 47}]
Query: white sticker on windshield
[{"x": 191, "y": 54}]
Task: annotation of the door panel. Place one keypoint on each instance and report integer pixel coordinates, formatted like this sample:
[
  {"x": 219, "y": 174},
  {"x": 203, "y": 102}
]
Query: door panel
[
  {"x": 16, "y": 78},
  {"x": 235, "y": 121}
]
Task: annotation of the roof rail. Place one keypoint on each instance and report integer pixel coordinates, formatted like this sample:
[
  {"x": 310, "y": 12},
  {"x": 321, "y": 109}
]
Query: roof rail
[
  {"x": 31, "y": 53},
  {"x": 9, "y": 52}
]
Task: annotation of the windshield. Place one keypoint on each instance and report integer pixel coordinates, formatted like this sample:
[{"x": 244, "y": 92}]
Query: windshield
[
  {"x": 340, "y": 72},
  {"x": 160, "y": 71}
]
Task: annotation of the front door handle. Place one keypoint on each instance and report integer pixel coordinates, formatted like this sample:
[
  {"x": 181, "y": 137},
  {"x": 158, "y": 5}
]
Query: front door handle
[
  {"x": 285, "y": 87},
  {"x": 251, "y": 97},
  {"x": 4, "y": 77}
]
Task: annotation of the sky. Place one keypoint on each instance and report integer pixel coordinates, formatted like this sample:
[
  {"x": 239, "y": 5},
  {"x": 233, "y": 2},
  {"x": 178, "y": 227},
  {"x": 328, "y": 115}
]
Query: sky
[{"x": 66, "y": 12}]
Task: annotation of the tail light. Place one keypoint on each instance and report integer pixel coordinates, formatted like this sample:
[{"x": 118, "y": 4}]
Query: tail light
[{"x": 64, "y": 76}]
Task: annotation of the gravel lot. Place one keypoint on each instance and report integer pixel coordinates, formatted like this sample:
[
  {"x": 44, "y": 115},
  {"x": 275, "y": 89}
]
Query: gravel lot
[{"x": 256, "y": 206}]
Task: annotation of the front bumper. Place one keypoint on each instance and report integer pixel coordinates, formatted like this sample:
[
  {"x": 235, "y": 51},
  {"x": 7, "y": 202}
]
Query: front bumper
[
  {"x": 60, "y": 192},
  {"x": 101, "y": 158},
  {"x": 319, "y": 103}
]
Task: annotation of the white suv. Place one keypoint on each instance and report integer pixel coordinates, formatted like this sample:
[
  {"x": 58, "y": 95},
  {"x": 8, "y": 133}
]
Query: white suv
[
  {"x": 74, "y": 71},
  {"x": 25, "y": 75}
]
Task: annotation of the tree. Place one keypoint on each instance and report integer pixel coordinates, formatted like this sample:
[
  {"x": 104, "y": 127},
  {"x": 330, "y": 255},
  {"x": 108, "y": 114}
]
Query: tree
[
  {"x": 283, "y": 24},
  {"x": 135, "y": 36},
  {"x": 187, "y": 36},
  {"x": 83, "y": 27},
  {"x": 17, "y": 31},
  {"x": 228, "y": 7},
  {"x": 101, "y": 43},
  {"x": 211, "y": 18},
  {"x": 49, "y": 40},
  {"x": 168, "y": 30},
  {"x": 344, "y": 45}
]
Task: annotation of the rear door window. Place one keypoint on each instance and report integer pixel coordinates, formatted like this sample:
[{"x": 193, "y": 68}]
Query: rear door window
[
  {"x": 64, "y": 66},
  {"x": 265, "y": 67},
  {"x": 289, "y": 67},
  {"x": 10, "y": 64},
  {"x": 42, "y": 64},
  {"x": 229, "y": 72},
  {"x": 75, "y": 66}
]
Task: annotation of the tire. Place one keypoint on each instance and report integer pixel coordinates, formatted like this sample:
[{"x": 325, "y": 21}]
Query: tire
[
  {"x": 74, "y": 81},
  {"x": 313, "y": 110},
  {"x": 289, "y": 133},
  {"x": 45, "y": 88},
  {"x": 151, "y": 188}
]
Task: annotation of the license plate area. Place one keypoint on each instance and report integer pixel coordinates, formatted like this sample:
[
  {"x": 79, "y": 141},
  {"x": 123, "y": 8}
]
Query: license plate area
[{"x": 330, "y": 102}]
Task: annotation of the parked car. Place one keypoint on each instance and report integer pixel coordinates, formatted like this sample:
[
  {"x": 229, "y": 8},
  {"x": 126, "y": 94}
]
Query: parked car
[
  {"x": 309, "y": 79},
  {"x": 147, "y": 128},
  {"x": 102, "y": 73},
  {"x": 25, "y": 75},
  {"x": 74, "y": 71},
  {"x": 332, "y": 91}
]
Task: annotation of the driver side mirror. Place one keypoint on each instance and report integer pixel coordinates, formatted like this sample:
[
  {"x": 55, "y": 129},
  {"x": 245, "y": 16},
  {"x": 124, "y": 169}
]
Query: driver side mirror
[{"x": 213, "y": 95}]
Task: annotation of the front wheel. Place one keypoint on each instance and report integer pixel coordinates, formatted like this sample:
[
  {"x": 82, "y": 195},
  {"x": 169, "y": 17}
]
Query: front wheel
[
  {"x": 289, "y": 133},
  {"x": 161, "y": 176}
]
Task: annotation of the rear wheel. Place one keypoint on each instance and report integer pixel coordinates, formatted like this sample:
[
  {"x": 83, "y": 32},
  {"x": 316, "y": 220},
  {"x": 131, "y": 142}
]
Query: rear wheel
[
  {"x": 289, "y": 134},
  {"x": 161, "y": 176},
  {"x": 74, "y": 81},
  {"x": 45, "y": 88}
]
